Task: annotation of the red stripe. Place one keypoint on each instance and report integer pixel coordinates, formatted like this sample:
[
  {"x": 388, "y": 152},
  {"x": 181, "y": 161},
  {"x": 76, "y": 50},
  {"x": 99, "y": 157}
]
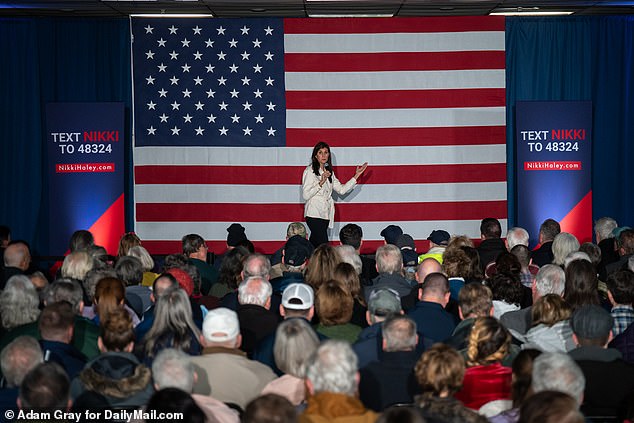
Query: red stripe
[
  {"x": 292, "y": 175},
  {"x": 409, "y": 61},
  {"x": 395, "y": 99},
  {"x": 377, "y": 137},
  {"x": 383, "y": 25},
  {"x": 350, "y": 212}
]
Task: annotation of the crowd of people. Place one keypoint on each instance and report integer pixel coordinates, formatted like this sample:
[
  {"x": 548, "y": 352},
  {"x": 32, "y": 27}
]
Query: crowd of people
[{"x": 463, "y": 332}]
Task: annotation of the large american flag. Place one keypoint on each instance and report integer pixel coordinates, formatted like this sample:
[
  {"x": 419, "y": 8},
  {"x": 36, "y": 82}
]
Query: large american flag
[{"x": 226, "y": 113}]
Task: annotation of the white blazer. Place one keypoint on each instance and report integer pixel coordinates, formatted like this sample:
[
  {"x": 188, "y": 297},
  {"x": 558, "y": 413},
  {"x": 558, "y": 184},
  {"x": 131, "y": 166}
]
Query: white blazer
[{"x": 319, "y": 202}]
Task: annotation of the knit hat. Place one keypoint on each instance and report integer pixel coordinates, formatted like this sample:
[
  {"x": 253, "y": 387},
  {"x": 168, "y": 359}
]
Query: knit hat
[{"x": 236, "y": 234}]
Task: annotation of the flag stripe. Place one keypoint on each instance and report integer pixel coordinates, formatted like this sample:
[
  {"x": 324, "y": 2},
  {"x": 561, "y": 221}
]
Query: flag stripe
[
  {"x": 318, "y": 100},
  {"x": 403, "y": 61},
  {"x": 288, "y": 175}
]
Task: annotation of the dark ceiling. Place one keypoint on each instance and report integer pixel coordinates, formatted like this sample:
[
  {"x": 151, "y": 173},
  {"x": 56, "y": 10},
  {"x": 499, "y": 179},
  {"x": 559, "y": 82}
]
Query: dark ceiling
[{"x": 303, "y": 8}]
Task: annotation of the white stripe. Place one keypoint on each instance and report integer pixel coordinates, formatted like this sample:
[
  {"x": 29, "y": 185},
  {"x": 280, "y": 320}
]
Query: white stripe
[
  {"x": 396, "y": 118},
  {"x": 291, "y": 194},
  {"x": 394, "y": 42},
  {"x": 276, "y": 231},
  {"x": 395, "y": 80},
  {"x": 300, "y": 156}
]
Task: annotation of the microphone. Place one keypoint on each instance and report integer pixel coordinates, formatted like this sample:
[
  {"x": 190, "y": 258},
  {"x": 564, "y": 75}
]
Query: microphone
[{"x": 327, "y": 167}]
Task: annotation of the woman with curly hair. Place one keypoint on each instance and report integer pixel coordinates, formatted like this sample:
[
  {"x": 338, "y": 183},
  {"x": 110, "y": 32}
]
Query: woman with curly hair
[{"x": 486, "y": 379}]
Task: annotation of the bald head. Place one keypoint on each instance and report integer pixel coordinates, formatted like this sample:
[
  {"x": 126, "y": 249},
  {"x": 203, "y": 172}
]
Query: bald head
[
  {"x": 17, "y": 255},
  {"x": 427, "y": 267}
]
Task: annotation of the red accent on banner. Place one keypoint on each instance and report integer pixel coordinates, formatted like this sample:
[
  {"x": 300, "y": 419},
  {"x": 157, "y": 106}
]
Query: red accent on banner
[
  {"x": 84, "y": 167},
  {"x": 558, "y": 165},
  {"x": 578, "y": 221},
  {"x": 109, "y": 228}
]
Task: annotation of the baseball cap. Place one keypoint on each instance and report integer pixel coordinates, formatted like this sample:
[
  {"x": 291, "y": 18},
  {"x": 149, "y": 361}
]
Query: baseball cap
[
  {"x": 384, "y": 301},
  {"x": 220, "y": 325},
  {"x": 298, "y": 296},
  {"x": 591, "y": 322},
  {"x": 405, "y": 240},
  {"x": 297, "y": 250},
  {"x": 439, "y": 237},
  {"x": 391, "y": 233}
]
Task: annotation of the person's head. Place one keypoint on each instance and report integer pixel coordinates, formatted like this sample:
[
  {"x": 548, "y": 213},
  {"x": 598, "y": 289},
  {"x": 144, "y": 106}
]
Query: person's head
[
  {"x": 550, "y": 279},
  {"x": 76, "y": 265},
  {"x": 256, "y": 291},
  {"x": 564, "y": 244},
  {"x": 185, "y": 275},
  {"x": 382, "y": 303},
  {"x": 440, "y": 371},
  {"x": 256, "y": 265},
  {"x": 162, "y": 283},
  {"x": 39, "y": 281},
  {"x": 592, "y": 326},
  {"x": 523, "y": 255},
  {"x": 399, "y": 333},
  {"x": 456, "y": 263},
  {"x": 475, "y": 300},
  {"x": 474, "y": 272},
  {"x": 221, "y": 328},
  {"x": 230, "y": 273},
  {"x": 194, "y": 246},
  {"x": 506, "y": 288},
  {"x": 459, "y": 241},
  {"x": 490, "y": 228},
  {"x": 427, "y": 266},
  {"x": 93, "y": 277},
  {"x": 581, "y": 284},
  {"x": 117, "y": 332},
  {"x": 99, "y": 255},
  {"x": 576, "y": 255},
  {"x": 18, "y": 358},
  {"x": 173, "y": 368},
  {"x": 296, "y": 228},
  {"x": 80, "y": 241},
  {"x": 236, "y": 235},
  {"x": 348, "y": 275},
  {"x": 109, "y": 296},
  {"x": 549, "y": 309},
  {"x": 439, "y": 238},
  {"x": 516, "y": 236},
  {"x": 593, "y": 251},
  {"x": 550, "y": 407},
  {"x": 5, "y": 236},
  {"x": 298, "y": 300},
  {"x": 488, "y": 342},
  {"x": 296, "y": 252},
  {"x": 126, "y": 242},
  {"x": 349, "y": 255},
  {"x": 625, "y": 242},
  {"x": 351, "y": 234},
  {"x": 57, "y": 322},
  {"x": 320, "y": 157},
  {"x": 332, "y": 368},
  {"x": 269, "y": 408},
  {"x": 130, "y": 270},
  {"x": 558, "y": 372},
  {"x": 603, "y": 228},
  {"x": 17, "y": 255},
  {"x": 139, "y": 252},
  {"x": 391, "y": 233},
  {"x": 508, "y": 263},
  {"x": 321, "y": 266},
  {"x": 45, "y": 388},
  {"x": 295, "y": 341},
  {"x": 435, "y": 289},
  {"x": 389, "y": 259},
  {"x": 333, "y": 303},
  {"x": 548, "y": 230},
  {"x": 19, "y": 302},
  {"x": 174, "y": 400},
  {"x": 621, "y": 287},
  {"x": 522, "y": 375}
]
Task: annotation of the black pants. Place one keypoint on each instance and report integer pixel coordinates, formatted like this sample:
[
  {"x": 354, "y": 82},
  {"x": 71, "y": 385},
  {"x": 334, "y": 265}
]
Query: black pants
[{"x": 318, "y": 230}]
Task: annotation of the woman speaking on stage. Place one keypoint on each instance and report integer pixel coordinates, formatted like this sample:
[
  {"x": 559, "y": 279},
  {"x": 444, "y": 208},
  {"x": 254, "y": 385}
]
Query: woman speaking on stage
[{"x": 318, "y": 182}]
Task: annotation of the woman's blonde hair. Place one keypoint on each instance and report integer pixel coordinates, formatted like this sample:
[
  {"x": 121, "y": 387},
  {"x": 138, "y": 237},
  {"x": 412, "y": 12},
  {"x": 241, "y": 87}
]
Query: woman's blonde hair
[
  {"x": 549, "y": 309},
  {"x": 488, "y": 343}
]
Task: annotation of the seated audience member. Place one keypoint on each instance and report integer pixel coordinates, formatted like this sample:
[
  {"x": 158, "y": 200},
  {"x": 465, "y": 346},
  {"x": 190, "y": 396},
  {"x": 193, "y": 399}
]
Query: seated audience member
[
  {"x": 56, "y": 325},
  {"x": 509, "y": 264},
  {"x": 90, "y": 286},
  {"x": 603, "y": 228},
  {"x": 352, "y": 235},
  {"x": 391, "y": 380},
  {"x": 295, "y": 341},
  {"x": 382, "y": 304},
  {"x": 624, "y": 343},
  {"x": 426, "y": 267},
  {"x": 507, "y": 293},
  {"x": 486, "y": 379},
  {"x": 564, "y": 244},
  {"x": 550, "y": 330},
  {"x": 16, "y": 360},
  {"x": 621, "y": 295},
  {"x": 334, "y": 305},
  {"x": 389, "y": 263},
  {"x": 173, "y": 327},
  {"x": 475, "y": 300},
  {"x": 109, "y": 296},
  {"x": 332, "y": 380},
  {"x": 391, "y": 233},
  {"x": 147, "y": 263},
  {"x": 550, "y": 279},
  {"x": 406, "y": 244},
  {"x": 130, "y": 271},
  {"x": 76, "y": 265},
  {"x": 474, "y": 272},
  {"x": 80, "y": 240},
  {"x": 116, "y": 375},
  {"x": 551, "y": 407},
  {"x": 348, "y": 255},
  {"x": 581, "y": 284},
  {"x": 348, "y": 276},
  {"x": 429, "y": 314},
  {"x": 438, "y": 241},
  {"x": 100, "y": 257},
  {"x": 40, "y": 282},
  {"x": 270, "y": 408},
  {"x": 223, "y": 369},
  {"x": 195, "y": 249},
  {"x": 548, "y": 230},
  {"x": 45, "y": 388},
  {"x": 173, "y": 369},
  {"x": 528, "y": 270},
  {"x": 625, "y": 248},
  {"x": 161, "y": 284},
  {"x": 256, "y": 319},
  {"x": 457, "y": 265},
  {"x": 17, "y": 259},
  {"x": 321, "y": 266},
  {"x": 294, "y": 228},
  {"x": 174, "y": 400},
  {"x": 5, "y": 239},
  {"x": 188, "y": 279},
  {"x": 294, "y": 258},
  {"x": 558, "y": 372},
  {"x": 19, "y": 302},
  {"x": 492, "y": 243},
  {"x": 126, "y": 242},
  {"x": 440, "y": 371},
  {"x": 230, "y": 273},
  {"x": 609, "y": 380}
]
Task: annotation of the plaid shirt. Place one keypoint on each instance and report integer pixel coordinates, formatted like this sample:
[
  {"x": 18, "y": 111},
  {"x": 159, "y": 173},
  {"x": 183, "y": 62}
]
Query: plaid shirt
[{"x": 623, "y": 316}]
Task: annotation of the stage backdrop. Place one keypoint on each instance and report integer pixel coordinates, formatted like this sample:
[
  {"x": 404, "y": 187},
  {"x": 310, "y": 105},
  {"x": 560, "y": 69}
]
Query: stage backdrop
[
  {"x": 554, "y": 166},
  {"x": 227, "y": 111},
  {"x": 85, "y": 144}
]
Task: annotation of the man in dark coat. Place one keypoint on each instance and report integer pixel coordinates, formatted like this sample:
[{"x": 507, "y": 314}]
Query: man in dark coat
[
  {"x": 548, "y": 230},
  {"x": 492, "y": 243}
]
